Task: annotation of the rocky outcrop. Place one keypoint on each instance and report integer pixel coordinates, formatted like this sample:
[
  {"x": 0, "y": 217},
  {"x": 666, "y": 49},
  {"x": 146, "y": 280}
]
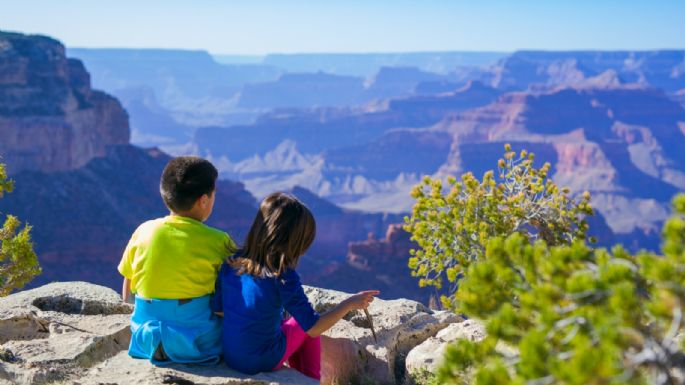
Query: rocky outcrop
[
  {"x": 335, "y": 228},
  {"x": 77, "y": 332},
  {"x": 350, "y": 354},
  {"x": 378, "y": 252},
  {"x": 428, "y": 355},
  {"x": 57, "y": 331},
  {"x": 423, "y": 360},
  {"x": 50, "y": 118}
]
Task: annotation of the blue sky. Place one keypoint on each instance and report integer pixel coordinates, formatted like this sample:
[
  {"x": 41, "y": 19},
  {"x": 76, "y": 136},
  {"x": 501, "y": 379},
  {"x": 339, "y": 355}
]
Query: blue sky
[{"x": 261, "y": 26}]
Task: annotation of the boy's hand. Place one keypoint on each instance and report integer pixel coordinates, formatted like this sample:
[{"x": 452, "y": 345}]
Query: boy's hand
[{"x": 361, "y": 300}]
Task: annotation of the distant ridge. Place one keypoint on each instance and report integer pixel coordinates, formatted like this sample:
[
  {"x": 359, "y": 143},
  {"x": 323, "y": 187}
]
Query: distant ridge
[
  {"x": 364, "y": 64},
  {"x": 664, "y": 69}
]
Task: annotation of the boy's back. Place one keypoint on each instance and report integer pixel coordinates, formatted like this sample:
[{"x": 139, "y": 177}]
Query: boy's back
[{"x": 174, "y": 257}]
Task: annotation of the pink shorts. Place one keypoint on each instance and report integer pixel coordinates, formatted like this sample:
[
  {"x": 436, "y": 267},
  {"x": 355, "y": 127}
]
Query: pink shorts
[{"x": 302, "y": 352}]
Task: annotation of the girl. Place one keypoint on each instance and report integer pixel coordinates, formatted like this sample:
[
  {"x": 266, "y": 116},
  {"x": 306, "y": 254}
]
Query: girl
[{"x": 259, "y": 282}]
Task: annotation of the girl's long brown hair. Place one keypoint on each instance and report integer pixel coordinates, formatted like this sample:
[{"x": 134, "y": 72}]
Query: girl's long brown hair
[{"x": 281, "y": 232}]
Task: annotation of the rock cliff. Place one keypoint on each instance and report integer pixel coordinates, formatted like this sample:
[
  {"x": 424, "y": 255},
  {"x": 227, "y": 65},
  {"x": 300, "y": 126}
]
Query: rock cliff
[
  {"x": 50, "y": 118},
  {"x": 78, "y": 333},
  {"x": 83, "y": 218}
]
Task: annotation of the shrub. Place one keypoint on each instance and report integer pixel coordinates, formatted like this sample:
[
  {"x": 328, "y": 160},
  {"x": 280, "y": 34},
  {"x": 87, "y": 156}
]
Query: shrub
[
  {"x": 452, "y": 225},
  {"x": 574, "y": 315},
  {"x": 18, "y": 261}
]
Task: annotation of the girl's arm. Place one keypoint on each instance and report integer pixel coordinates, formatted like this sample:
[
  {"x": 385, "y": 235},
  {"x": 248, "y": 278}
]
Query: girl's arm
[
  {"x": 126, "y": 294},
  {"x": 358, "y": 301}
]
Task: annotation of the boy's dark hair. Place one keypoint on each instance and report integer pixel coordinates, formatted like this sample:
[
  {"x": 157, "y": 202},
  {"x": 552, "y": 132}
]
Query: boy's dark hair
[
  {"x": 281, "y": 232},
  {"x": 184, "y": 180}
]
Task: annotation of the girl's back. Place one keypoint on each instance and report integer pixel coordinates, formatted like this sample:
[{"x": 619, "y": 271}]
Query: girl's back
[{"x": 253, "y": 309}]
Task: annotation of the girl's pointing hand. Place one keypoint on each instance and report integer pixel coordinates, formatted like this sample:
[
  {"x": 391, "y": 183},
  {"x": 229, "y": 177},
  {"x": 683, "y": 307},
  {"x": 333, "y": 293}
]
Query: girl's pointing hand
[{"x": 362, "y": 299}]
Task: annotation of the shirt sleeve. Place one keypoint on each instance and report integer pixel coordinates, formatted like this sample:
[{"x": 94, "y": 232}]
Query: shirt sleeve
[
  {"x": 126, "y": 264},
  {"x": 216, "y": 301},
  {"x": 224, "y": 246},
  {"x": 230, "y": 245},
  {"x": 295, "y": 301}
]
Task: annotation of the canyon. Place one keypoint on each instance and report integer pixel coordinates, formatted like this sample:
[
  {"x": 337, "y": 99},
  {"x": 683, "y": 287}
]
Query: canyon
[{"x": 349, "y": 140}]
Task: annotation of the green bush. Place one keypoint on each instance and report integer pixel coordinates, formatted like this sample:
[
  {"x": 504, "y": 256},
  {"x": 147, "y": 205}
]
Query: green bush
[
  {"x": 574, "y": 315},
  {"x": 18, "y": 261},
  {"x": 452, "y": 225}
]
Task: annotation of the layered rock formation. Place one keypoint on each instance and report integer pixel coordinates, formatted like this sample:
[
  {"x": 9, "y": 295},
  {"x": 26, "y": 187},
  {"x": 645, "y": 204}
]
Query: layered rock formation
[
  {"x": 75, "y": 332},
  {"x": 322, "y": 129},
  {"x": 622, "y": 145},
  {"x": 50, "y": 118},
  {"x": 347, "y": 156},
  {"x": 335, "y": 227},
  {"x": 378, "y": 263},
  {"x": 524, "y": 69}
]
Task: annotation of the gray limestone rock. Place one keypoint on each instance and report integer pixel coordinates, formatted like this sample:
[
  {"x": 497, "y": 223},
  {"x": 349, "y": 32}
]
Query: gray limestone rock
[
  {"x": 428, "y": 355},
  {"x": 55, "y": 331},
  {"x": 349, "y": 352}
]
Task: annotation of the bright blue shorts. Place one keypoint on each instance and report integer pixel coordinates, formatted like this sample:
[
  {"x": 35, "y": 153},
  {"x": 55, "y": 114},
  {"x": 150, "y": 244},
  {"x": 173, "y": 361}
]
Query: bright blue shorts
[{"x": 188, "y": 331}]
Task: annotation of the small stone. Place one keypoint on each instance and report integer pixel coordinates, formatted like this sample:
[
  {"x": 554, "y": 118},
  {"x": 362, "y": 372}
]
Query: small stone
[{"x": 7, "y": 355}]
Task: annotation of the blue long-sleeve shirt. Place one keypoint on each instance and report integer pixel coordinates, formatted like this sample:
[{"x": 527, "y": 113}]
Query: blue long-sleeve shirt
[{"x": 253, "y": 307}]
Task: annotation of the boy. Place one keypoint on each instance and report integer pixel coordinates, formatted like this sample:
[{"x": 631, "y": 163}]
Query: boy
[{"x": 171, "y": 265}]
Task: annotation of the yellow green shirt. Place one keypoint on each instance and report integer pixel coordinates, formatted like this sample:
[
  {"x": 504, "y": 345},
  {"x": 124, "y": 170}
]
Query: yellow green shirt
[{"x": 174, "y": 257}]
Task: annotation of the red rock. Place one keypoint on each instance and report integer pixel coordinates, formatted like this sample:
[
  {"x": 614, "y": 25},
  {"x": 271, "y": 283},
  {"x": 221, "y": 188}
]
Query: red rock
[{"x": 50, "y": 118}]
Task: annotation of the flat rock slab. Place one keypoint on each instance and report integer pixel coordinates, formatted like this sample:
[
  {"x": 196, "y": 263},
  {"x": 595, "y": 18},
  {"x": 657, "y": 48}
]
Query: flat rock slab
[
  {"x": 55, "y": 332},
  {"x": 69, "y": 298},
  {"x": 123, "y": 370}
]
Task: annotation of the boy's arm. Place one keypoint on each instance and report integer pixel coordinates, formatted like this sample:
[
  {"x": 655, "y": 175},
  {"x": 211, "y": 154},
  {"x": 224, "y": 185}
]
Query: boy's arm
[
  {"x": 126, "y": 294},
  {"x": 216, "y": 300},
  {"x": 125, "y": 269}
]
